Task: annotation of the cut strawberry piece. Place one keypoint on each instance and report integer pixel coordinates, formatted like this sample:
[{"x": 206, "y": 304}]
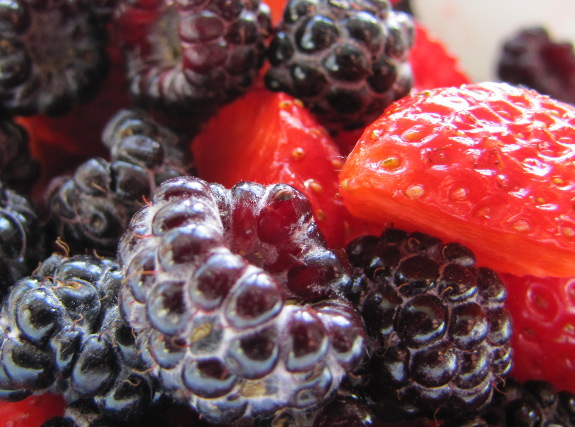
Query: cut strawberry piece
[
  {"x": 543, "y": 313},
  {"x": 432, "y": 64},
  {"x": 32, "y": 411},
  {"x": 488, "y": 165},
  {"x": 269, "y": 137}
]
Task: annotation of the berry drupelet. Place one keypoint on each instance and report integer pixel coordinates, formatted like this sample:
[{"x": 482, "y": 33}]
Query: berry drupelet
[
  {"x": 92, "y": 208},
  {"x": 22, "y": 240},
  {"x": 62, "y": 332},
  {"x": 437, "y": 325},
  {"x": 235, "y": 299},
  {"x": 529, "y": 404},
  {"x": 52, "y": 55},
  {"x": 192, "y": 55},
  {"x": 18, "y": 169},
  {"x": 346, "y": 60},
  {"x": 531, "y": 58}
]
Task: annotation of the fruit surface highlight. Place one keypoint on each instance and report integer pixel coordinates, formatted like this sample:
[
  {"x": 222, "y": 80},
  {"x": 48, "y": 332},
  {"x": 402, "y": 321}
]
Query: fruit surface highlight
[{"x": 488, "y": 165}]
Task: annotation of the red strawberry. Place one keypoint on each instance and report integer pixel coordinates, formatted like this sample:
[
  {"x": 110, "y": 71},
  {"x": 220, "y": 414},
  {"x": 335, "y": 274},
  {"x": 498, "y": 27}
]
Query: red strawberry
[
  {"x": 269, "y": 137},
  {"x": 432, "y": 64},
  {"x": 543, "y": 313},
  {"x": 32, "y": 411},
  {"x": 489, "y": 165}
]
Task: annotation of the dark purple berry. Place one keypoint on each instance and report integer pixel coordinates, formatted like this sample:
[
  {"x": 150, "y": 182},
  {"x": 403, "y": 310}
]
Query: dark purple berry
[
  {"x": 241, "y": 322},
  {"x": 22, "y": 240},
  {"x": 62, "y": 333},
  {"x": 92, "y": 208},
  {"x": 531, "y": 58},
  {"x": 194, "y": 55},
  {"x": 530, "y": 404},
  {"x": 439, "y": 332},
  {"x": 345, "y": 60},
  {"x": 52, "y": 55}
]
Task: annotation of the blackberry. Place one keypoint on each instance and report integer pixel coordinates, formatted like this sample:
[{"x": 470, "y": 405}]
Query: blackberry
[
  {"x": 22, "y": 240},
  {"x": 348, "y": 409},
  {"x": 18, "y": 169},
  {"x": 346, "y": 60},
  {"x": 438, "y": 329},
  {"x": 92, "y": 208},
  {"x": 530, "y": 404},
  {"x": 531, "y": 58},
  {"x": 62, "y": 332},
  {"x": 235, "y": 300},
  {"x": 52, "y": 55},
  {"x": 192, "y": 55}
]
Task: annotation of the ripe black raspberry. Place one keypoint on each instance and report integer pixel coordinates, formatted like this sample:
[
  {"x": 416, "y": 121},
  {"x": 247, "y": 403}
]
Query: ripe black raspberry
[
  {"x": 52, "y": 55},
  {"x": 346, "y": 60},
  {"x": 437, "y": 325},
  {"x": 92, "y": 209},
  {"x": 348, "y": 408},
  {"x": 22, "y": 240},
  {"x": 234, "y": 295},
  {"x": 18, "y": 169},
  {"x": 531, "y": 58},
  {"x": 531, "y": 404},
  {"x": 62, "y": 332},
  {"x": 192, "y": 55}
]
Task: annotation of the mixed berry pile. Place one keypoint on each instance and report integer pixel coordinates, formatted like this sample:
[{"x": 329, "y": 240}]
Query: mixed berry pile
[{"x": 297, "y": 213}]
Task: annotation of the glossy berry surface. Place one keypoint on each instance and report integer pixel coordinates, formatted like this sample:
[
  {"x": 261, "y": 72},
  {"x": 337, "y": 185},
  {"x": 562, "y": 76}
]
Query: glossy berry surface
[
  {"x": 345, "y": 60},
  {"x": 184, "y": 56},
  {"x": 62, "y": 333},
  {"x": 209, "y": 274},
  {"x": 22, "y": 239},
  {"x": 543, "y": 313},
  {"x": 437, "y": 325},
  {"x": 529, "y": 404},
  {"x": 53, "y": 55},
  {"x": 487, "y": 165},
  {"x": 531, "y": 58},
  {"x": 19, "y": 170},
  {"x": 92, "y": 208}
]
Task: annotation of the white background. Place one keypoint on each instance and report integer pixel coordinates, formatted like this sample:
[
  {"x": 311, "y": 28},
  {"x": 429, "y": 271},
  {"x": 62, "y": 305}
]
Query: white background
[{"x": 475, "y": 29}]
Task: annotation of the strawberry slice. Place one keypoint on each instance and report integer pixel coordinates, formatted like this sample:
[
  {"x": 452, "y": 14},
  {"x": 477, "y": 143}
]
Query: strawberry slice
[
  {"x": 543, "y": 313},
  {"x": 32, "y": 411},
  {"x": 432, "y": 64},
  {"x": 269, "y": 137},
  {"x": 489, "y": 165}
]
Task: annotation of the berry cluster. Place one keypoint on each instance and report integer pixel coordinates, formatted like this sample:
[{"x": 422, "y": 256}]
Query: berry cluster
[
  {"x": 209, "y": 273},
  {"x": 263, "y": 291},
  {"x": 346, "y": 60},
  {"x": 61, "y": 332},
  {"x": 52, "y": 55},
  {"x": 438, "y": 327},
  {"x": 91, "y": 209}
]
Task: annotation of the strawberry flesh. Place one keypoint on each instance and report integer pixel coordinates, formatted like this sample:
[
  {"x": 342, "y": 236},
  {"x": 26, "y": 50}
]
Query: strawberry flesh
[{"x": 488, "y": 165}]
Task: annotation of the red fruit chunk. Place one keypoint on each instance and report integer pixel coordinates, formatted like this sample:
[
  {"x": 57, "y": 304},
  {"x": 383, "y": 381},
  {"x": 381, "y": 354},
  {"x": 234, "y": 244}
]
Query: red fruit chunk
[
  {"x": 432, "y": 64},
  {"x": 543, "y": 313},
  {"x": 32, "y": 411},
  {"x": 269, "y": 137},
  {"x": 488, "y": 165}
]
